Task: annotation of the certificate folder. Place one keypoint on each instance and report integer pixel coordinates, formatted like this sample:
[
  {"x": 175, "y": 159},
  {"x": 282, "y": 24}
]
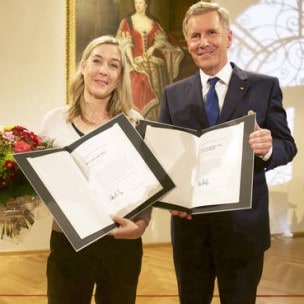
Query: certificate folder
[
  {"x": 108, "y": 171},
  {"x": 212, "y": 168}
]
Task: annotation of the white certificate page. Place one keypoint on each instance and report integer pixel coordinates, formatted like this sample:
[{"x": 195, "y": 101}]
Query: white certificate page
[
  {"x": 104, "y": 175},
  {"x": 217, "y": 177}
]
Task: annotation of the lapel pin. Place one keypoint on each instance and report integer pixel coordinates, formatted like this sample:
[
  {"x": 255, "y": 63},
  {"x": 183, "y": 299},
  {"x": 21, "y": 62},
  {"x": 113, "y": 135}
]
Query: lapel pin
[{"x": 242, "y": 88}]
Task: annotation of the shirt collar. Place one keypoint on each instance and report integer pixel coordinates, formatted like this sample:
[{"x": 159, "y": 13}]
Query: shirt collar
[{"x": 224, "y": 75}]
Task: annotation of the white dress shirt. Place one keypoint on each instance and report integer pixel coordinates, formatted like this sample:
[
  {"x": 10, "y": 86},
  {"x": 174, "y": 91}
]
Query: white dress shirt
[{"x": 221, "y": 86}]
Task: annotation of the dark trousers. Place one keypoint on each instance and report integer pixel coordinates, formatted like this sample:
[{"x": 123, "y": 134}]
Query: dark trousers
[
  {"x": 198, "y": 262},
  {"x": 113, "y": 265}
]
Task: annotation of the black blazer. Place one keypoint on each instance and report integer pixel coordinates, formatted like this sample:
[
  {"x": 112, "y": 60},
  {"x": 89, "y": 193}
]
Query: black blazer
[{"x": 246, "y": 232}]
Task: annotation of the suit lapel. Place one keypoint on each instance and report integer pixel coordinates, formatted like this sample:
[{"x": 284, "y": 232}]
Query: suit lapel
[
  {"x": 237, "y": 88},
  {"x": 193, "y": 93}
]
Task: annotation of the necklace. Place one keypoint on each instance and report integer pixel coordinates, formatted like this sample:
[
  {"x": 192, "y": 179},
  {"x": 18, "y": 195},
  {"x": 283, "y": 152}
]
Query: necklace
[{"x": 92, "y": 116}]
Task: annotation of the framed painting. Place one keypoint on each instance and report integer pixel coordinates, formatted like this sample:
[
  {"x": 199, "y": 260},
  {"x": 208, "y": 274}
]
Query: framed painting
[{"x": 152, "y": 41}]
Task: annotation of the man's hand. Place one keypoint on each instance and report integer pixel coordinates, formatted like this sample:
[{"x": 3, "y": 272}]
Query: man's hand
[{"x": 260, "y": 140}]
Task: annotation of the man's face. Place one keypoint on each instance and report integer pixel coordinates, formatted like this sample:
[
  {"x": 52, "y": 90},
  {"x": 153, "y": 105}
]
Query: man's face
[{"x": 208, "y": 42}]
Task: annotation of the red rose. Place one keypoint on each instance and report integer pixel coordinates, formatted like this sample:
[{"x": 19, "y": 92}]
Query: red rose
[
  {"x": 9, "y": 165},
  {"x": 21, "y": 146},
  {"x": 3, "y": 183}
]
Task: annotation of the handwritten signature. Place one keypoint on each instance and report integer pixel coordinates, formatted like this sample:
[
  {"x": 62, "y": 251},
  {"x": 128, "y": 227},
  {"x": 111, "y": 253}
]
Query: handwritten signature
[
  {"x": 116, "y": 194},
  {"x": 203, "y": 182}
]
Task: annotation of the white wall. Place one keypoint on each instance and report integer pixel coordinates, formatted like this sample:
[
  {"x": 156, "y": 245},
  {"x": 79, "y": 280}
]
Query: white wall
[
  {"x": 32, "y": 58},
  {"x": 32, "y": 81}
]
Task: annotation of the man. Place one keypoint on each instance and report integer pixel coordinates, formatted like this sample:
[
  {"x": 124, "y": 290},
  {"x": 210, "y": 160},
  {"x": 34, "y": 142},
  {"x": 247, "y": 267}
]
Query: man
[{"x": 228, "y": 245}]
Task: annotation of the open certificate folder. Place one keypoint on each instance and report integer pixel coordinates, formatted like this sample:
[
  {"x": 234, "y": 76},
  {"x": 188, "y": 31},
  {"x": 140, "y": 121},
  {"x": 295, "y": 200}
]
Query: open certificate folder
[
  {"x": 108, "y": 171},
  {"x": 212, "y": 169}
]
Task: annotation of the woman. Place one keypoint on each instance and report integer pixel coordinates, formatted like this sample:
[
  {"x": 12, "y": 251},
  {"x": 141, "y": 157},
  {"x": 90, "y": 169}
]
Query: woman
[
  {"x": 154, "y": 62},
  {"x": 99, "y": 91}
]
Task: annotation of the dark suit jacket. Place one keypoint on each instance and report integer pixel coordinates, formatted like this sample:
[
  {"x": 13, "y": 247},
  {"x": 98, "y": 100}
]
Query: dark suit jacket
[{"x": 245, "y": 232}]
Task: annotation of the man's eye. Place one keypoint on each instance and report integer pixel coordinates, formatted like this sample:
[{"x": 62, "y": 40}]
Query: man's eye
[
  {"x": 195, "y": 36},
  {"x": 211, "y": 33}
]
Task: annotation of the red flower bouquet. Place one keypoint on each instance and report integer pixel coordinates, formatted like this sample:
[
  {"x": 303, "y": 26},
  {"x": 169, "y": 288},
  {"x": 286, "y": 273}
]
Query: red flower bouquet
[
  {"x": 15, "y": 190},
  {"x": 16, "y": 139}
]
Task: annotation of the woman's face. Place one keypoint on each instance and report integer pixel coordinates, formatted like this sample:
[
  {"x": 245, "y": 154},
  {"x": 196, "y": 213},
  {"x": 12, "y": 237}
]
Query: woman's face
[
  {"x": 140, "y": 6},
  {"x": 102, "y": 71}
]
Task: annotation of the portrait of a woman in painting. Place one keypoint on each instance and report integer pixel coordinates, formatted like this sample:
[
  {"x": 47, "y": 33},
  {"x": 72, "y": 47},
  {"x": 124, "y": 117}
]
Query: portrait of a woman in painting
[{"x": 154, "y": 61}]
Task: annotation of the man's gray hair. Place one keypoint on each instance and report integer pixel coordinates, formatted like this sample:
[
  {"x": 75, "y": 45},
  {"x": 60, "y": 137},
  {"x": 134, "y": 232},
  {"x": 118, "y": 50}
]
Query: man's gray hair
[{"x": 202, "y": 7}]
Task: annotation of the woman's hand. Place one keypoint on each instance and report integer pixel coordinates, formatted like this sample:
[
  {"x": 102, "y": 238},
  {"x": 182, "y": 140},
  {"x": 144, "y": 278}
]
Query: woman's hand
[
  {"x": 150, "y": 51},
  {"x": 181, "y": 214},
  {"x": 128, "y": 229}
]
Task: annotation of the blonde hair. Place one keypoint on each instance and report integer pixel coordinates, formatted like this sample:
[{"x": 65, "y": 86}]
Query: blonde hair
[
  {"x": 202, "y": 7},
  {"x": 120, "y": 102}
]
